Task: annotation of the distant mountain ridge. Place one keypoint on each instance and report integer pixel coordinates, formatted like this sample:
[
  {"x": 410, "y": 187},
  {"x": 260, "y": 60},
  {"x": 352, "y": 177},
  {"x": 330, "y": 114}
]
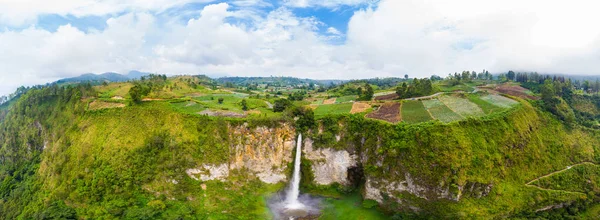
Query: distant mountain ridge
[{"x": 99, "y": 78}]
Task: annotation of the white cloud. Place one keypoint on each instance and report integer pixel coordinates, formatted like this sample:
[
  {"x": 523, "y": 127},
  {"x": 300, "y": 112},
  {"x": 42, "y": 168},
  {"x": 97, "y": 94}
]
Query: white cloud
[
  {"x": 326, "y": 4},
  {"x": 334, "y": 31},
  {"x": 19, "y": 12},
  {"x": 415, "y": 37}
]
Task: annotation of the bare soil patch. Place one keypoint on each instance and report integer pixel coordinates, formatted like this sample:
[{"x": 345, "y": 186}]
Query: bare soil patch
[
  {"x": 515, "y": 90},
  {"x": 117, "y": 98},
  {"x": 387, "y": 97},
  {"x": 96, "y": 105},
  {"x": 329, "y": 101},
  {"x": 359, "y": 107},
  {"x": 209, "y": 112},
  {"x": 389, "y": 111}
]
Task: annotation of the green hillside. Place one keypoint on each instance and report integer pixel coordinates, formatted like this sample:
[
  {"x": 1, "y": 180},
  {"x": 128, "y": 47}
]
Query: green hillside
[{"x": 61, "y": 159}]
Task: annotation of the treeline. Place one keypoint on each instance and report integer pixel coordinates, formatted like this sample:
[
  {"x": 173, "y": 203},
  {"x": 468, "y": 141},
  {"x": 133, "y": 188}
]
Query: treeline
[
  {"x": 588, "y": 86},
  {"x": 466, "y": 76},
  {"x": 418, "y": 87}
]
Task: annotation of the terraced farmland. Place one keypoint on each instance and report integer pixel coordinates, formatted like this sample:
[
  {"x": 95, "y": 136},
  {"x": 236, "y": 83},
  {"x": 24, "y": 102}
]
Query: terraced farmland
[
  {"x": 500, "y": 101},
  {"x": 461, "y": 106},
  {"x": 415, "y": 112},
  {"x": 485, "y": 106},
  {"x": 440, "y": 111},
  {"x": 323, "y": 110},
  {"x": 389, "y": 112}
]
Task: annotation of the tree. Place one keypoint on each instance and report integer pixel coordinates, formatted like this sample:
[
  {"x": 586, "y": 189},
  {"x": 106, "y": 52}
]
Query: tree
[
  {"x": 510, "y": 75},
  {"x": 368, "y": 93},
  {"x": 137, "y": 92},
  {"x": 244, "y": 105},
  {"x": 281, "y": 104},
  {"x": 220, "y": 100},
  {"x": 401, "y": 90}
]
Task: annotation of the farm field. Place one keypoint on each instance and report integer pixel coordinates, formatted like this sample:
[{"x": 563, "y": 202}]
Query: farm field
[
  {"x": 461, "y": 106},
  {"x": 389, "y": 112},
  {"x": 329, "y": 101},
  {"x": 415, "y": 112},
  {"x": 345, "y": 99},
  {"x": 486, "y": 106},
  {"x": 359, "y": 107},
  {"x": 499, "y": 101},
  {"x": 440, "y": 111},
  {"x": 323, "y": 110},
  {"x": 97, "y": 104}
]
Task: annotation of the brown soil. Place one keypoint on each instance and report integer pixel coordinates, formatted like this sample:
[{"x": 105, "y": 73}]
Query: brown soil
[
  {"x": 151, "y": 99},
  {"x": 95, "y": 105},
  {"x": 329, "y": 101},
  {"x": 387, "y": 97},
  {"x": 358, "y": 107},
  {"x": 222, "y": 114},
  {"x": 389, "y": 111},
  {"x": 515, "y": 90}
]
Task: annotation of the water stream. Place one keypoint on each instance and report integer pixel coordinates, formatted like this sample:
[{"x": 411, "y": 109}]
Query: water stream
[
  {"x": 294, "y": 188},
  {"x": 295, "y": 205}
]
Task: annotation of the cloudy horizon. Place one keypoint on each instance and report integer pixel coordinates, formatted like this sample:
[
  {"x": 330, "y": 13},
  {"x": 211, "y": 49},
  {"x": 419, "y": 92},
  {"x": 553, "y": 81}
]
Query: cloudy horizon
[{"x": 43, "y": 41}]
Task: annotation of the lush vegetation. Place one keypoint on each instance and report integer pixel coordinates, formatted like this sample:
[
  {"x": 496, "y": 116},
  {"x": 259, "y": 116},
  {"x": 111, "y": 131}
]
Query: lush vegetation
[{"x": 62, "y": 157}]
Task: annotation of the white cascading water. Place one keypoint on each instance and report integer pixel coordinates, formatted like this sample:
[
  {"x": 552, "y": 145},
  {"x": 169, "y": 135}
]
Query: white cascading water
[{"x": 294, "y": 189}]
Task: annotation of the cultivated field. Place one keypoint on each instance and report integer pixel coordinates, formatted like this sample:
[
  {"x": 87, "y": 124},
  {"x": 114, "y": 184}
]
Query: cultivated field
[
  {"x": 485, "y": 106},
  {"x": 389, "y": 111},
  {"x": 329, "y": 101},
  {"x": 323, "y": 110},
  {"x": 461, "y": 106},
  {"x": 516, "y": 90},
  {"x": 414, "y": 112},
  {"x": 500, "y": 101},
  {"x": 359, "y": 107},
  {"x": 390, "y": 96},
  {"x": 96, "y": 105},
  {"x": 440, "y": 111},
  {"x": 345, "y": 99}
]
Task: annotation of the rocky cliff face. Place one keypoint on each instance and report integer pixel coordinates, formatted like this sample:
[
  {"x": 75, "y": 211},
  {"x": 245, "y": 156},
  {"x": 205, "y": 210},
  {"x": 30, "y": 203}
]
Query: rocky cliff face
[
  {"x": 263, "y": 151},
  {"x": 266, "y": 152}
]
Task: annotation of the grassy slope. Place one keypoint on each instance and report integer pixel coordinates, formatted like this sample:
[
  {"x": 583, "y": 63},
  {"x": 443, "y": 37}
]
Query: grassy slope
[
  {"x": 138, "y": 149},
  {"x": 507, "y": 151}
]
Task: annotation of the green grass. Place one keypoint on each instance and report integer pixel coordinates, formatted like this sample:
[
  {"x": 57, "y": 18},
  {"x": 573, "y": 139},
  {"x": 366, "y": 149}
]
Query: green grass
[
  {"x": 323, "y": 110},
  {"x": 345, "y": 99},
  {"x": 485, "y": 106},
  {"x": 189, "y": 107},
  {"x": 581, "y": 178},
  {"x": 461, "y": 106},
  {"x": 349, "y": 207},
  {"x": 440, "y": 111},
  {"x": 414, "y": 112}
]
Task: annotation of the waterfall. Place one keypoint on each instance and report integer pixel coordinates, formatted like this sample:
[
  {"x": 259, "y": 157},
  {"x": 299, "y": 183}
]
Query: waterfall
[{"x": 294, "y": 188}]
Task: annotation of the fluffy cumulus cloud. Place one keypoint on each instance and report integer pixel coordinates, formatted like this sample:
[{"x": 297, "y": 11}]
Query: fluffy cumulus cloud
[{"x": 391, "y": 38}]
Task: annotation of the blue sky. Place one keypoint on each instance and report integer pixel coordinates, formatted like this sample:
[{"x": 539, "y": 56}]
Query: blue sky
[{"x": 43, "y": 41}]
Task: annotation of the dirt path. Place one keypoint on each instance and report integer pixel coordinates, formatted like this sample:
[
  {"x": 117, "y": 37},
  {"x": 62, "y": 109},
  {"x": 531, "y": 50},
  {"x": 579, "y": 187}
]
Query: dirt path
[
  {"x": 558, "y": 171},
  {"x": 269, "y": 104}
]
